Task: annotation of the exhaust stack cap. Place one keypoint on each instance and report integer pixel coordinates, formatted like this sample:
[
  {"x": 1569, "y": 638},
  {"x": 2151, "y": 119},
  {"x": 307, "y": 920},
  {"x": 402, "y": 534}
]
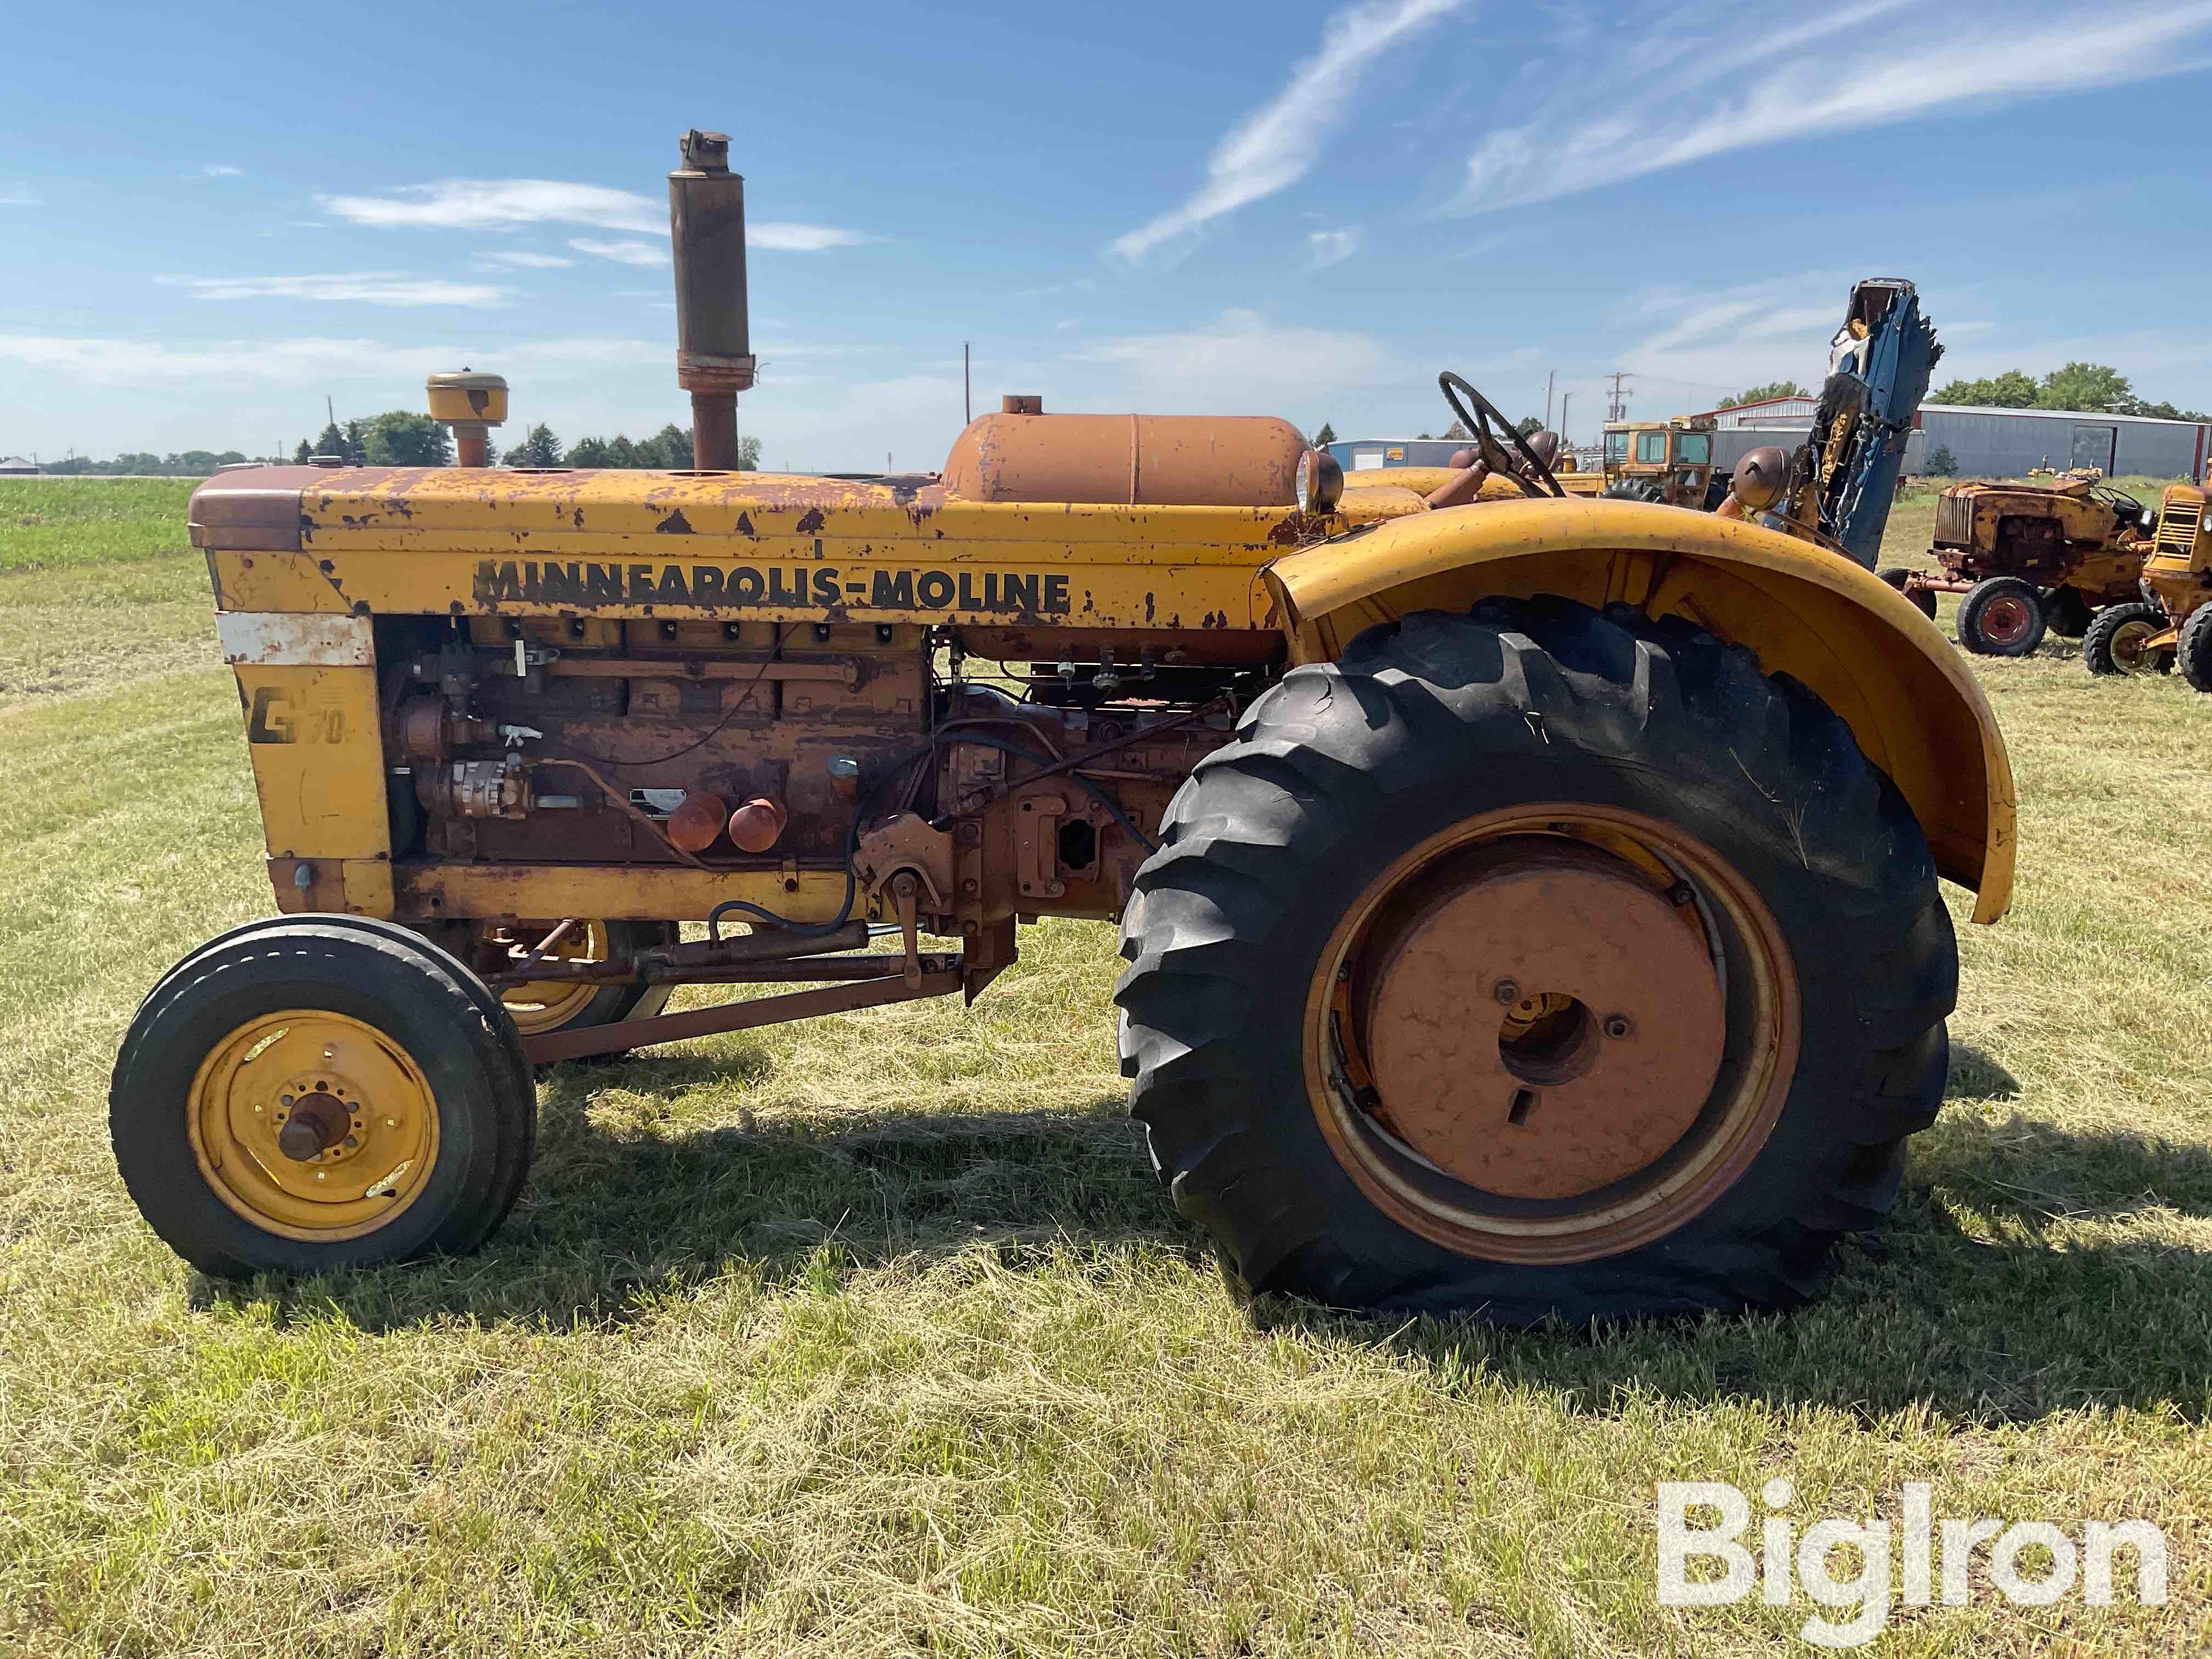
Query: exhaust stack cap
[{"x": 470, "y": 404}]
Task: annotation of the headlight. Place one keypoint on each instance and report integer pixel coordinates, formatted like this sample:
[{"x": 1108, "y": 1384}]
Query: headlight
[{"x": 1320, "y": 482}]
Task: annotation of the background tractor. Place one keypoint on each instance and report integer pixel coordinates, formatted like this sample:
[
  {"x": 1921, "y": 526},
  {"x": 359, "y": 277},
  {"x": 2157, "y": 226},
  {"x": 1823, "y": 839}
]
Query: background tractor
[
  {"x": 1529, "y": 904},
  {"x": 1668, "y": 461},
  {"x": 2029, "y": 557},
  {"x": 2171, "y": 624}
]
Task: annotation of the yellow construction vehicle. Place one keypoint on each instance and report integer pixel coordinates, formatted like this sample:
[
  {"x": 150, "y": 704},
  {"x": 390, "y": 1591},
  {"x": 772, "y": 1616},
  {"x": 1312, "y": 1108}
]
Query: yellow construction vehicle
[
  {"x": 2171, "y": 624},
  {"x": 1668, "y": 461},
  {"x": 1529, "y": 904}
]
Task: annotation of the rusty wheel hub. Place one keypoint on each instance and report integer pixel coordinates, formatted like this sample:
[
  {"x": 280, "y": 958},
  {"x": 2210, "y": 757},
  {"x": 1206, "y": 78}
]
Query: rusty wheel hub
[
  {"x": 1551, "y": 1034},
  {"x": 1543, "y": 1028},
  {"x": 2007, "y": 620}
]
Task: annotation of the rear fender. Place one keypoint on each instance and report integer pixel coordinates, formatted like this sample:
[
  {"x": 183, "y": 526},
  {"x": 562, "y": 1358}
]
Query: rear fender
[{"x": 1860, "y": 646}]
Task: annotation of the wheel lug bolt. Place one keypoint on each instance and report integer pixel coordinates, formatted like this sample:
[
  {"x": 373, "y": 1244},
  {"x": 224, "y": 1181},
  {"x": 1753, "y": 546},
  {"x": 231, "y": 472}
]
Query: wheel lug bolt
[
  {"x": 1507, "y": 992},
  {"x": 1617, "y": 1026}
]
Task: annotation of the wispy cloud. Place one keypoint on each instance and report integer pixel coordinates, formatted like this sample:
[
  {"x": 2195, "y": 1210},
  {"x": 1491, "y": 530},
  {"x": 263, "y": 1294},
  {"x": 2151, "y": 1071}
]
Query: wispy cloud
[
  {"x": 519, "y": 260},
  {"x": 623, "y": 253},
  {"x": 18, "y": 198},
  {"x": 489, "y": 203},
  {"x": 1272, "y": 149},
  {"x": 1241, "y": 361},
  {"x": 1790, "y": 90},
  {"x": 222, "y": 170},
  {"x": 1333, "y": 247},
  {"x": 312, "y": 359},
  {"x": 375, "y": 287},
  {"x": 783, "y": 237},
  {"x": 505, "y": 204}
]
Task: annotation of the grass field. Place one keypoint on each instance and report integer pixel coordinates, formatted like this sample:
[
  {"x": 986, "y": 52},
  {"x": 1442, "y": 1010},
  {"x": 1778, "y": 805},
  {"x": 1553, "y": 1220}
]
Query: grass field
[{"x": 875, "y": 1335}]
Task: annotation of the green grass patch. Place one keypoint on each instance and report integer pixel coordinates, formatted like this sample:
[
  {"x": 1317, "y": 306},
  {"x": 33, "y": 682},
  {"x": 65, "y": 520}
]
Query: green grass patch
[
  {"x": 48, "y": 524},
  {"x": 875, "y": 1335}
]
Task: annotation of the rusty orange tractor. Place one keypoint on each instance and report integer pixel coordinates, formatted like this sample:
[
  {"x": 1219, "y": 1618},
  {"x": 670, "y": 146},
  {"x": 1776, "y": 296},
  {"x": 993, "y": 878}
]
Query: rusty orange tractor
[
  {"x": 2171, "y": 624},
  {"x": 2030, "y": 558},
  {"x": 1529, "y": 904}
]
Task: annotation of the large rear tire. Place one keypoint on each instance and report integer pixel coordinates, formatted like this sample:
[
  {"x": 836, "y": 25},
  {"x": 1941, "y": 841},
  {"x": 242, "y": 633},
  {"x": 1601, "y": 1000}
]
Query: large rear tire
[
  {"x": 1898, "y": 577},
  {"x": 316, "y": 1092},
  {"x": 1538, "y": 962}
]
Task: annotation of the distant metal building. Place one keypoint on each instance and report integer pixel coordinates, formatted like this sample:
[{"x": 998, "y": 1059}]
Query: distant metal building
[
  {"x": 15, "y": 467},
  {"x": 1732, "y": 443},
  {"x": 2002, "y": 443}
]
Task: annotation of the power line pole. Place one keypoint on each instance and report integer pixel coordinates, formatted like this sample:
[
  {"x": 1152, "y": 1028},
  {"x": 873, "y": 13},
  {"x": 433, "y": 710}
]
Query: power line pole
[
  {"x": 1549, "y": 377},
  {"x": 1566, "y": 398},
  {"x": 1617, "y": 407}
]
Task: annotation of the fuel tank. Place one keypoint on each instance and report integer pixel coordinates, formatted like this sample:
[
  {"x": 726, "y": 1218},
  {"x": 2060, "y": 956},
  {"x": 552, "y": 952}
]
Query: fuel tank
[{"x": 1135, "y": 460}]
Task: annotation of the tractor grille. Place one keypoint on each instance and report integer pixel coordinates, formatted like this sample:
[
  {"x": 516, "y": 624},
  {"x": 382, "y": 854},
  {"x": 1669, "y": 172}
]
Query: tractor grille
[
  {"x": 2177, "y": 527},
  {"x": 1954, "y": 519}
]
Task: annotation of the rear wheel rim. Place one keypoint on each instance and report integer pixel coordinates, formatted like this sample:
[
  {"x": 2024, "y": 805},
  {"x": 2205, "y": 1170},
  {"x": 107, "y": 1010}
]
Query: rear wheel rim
[
  {"x": 546, "y": 1005},
  {"x": 374, "y": 1115},
  {"x": 2007, "y": 620},
  {"x": 1551, "y": 1034}
]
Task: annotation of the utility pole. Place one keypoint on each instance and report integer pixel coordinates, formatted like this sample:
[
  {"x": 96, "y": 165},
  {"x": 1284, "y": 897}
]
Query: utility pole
[
  {"x": 1617, "y": 409},
  {"x": 967, "y": 386},
  {"x": 1566, "y": 398},
  {"x": 1549, "y": 377},
  {"x": 330, "y": 409}
]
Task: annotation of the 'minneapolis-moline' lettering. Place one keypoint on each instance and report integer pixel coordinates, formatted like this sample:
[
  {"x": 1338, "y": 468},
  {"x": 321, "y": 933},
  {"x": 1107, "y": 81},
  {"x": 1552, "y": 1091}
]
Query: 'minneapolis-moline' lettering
[{"x": 572, "y": 582}]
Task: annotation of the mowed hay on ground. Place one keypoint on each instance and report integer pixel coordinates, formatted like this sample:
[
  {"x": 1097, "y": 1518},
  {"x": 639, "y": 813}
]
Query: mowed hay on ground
[{"x": 875, "y": 1335}]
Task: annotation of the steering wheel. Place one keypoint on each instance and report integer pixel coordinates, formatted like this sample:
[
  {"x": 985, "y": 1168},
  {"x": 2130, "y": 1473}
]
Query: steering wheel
[{"x": 1491, "y": 432}]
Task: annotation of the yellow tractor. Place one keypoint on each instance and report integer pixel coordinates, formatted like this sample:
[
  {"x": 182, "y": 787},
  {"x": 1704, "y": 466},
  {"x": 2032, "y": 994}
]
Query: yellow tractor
[
  {"x": 1529, "y": 904},
  {"x": 2171, "y": 624}
]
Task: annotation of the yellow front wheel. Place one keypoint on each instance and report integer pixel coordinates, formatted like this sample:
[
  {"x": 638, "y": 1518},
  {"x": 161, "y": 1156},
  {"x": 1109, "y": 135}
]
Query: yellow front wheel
[{"x": 319, "y": 1091}]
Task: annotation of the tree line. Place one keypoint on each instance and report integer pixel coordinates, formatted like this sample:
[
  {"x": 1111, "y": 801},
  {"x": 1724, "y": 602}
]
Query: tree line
[
  {"x": 2092, "y": 388},
  {"x": 402, "y": 438}
]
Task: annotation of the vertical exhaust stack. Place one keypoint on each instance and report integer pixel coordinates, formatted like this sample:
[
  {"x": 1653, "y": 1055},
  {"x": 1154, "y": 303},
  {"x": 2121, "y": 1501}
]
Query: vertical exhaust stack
[{"x": 714, "y": 349}]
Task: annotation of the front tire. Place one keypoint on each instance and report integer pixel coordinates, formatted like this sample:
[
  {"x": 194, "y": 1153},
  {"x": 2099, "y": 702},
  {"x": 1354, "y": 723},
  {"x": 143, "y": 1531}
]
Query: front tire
[
  {"x": 2001, "y": 616},
  {"x": 314, "y": 1092},
  {"x": 1922, "y": 598},
  {"x": 2112, "y": 643},
  {"x": 1728, "y": 965},
  {"x": 2192, "y": 649}
]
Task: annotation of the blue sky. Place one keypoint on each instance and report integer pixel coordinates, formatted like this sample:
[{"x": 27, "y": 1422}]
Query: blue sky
[{"x": 210, "y": 219}]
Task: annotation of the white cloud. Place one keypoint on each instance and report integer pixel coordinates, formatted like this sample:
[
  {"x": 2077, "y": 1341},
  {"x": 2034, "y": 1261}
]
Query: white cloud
[
  {"x": 503, "y": 204},
  {"x": 1333, "y": 247},
  {"x": 480, "y": 204},
  {"x": 222, "y": 170},
  {"x": 623, "y": 253},
  {"x": 18, "y": 198},
  {"x": 1272, "y": 149},
  {"x": 519, "y": 260},
  {"x": 311, "y": 359},
  {"x": 783, "y": 237},
  {"x": 1653, "y": 122},
  {"x": 1240, "y": 363},
  {"x": 375, "y": 288}
]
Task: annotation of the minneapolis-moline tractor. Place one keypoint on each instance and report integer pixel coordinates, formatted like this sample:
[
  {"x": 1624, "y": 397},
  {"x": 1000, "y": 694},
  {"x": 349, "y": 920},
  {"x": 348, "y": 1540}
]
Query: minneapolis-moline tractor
[
  {"x": 2030, "y": 558},
  {"x": 1530, "y": 905},
  {"x": 2171, "y": 624}
]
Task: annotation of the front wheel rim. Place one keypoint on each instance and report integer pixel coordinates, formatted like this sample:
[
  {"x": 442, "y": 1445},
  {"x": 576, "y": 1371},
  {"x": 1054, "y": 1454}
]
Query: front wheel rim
[
  {"x": 1627, "y": 1033},
  {"x": 373, "y": 1112},
  {"x": 2007, "y": 621}
]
